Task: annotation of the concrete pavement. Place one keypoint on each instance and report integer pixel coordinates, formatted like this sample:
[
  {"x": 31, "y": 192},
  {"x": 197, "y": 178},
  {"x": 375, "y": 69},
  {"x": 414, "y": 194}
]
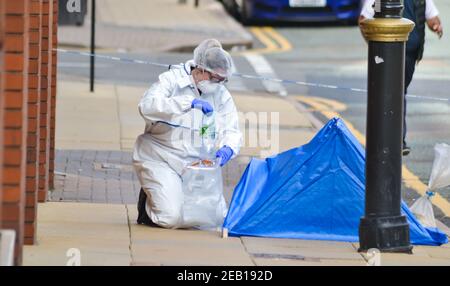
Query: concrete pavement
[
  {"x": 101, "y": 234},
  {"x": 99, "y": 231},
  {"x": 156, "y": 25}
]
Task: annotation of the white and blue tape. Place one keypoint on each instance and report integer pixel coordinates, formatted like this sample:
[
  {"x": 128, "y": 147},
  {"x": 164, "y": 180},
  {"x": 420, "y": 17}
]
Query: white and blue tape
[{"x": 245, "y": 76}]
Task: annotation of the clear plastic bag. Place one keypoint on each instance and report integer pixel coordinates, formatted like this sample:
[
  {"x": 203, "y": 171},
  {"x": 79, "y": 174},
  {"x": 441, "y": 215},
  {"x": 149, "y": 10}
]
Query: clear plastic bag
[
  {"x": 440, "y": 174},
  {"x": 208, "y": 136},
  {"x": 204, "y": 205},
  {"x": 423, "y": 210},
  {"x": 203, "y": 134},
  {"x": 440, "y": 178}
]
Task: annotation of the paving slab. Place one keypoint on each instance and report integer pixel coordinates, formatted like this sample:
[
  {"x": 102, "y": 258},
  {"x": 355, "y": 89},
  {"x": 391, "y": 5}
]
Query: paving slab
[
  {"x": 99, "y": 232},
  {"x": 87, "y": 120},
  {"x": 158, "y": 246},
  {"x": 302, "y": 249},
  {"x": 308, "y": 262},
  {"x": 411, "y": 260},
  {"x": 258, "y": 242},
  {"x": 437, "y": 252}
]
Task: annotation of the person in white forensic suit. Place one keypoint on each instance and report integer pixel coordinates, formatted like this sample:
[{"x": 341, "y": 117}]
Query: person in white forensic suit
[{"x": 169, "y": 109}]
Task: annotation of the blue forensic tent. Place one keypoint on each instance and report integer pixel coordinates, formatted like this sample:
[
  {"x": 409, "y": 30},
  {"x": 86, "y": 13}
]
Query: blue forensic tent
[{"x": 312, "y": 192}]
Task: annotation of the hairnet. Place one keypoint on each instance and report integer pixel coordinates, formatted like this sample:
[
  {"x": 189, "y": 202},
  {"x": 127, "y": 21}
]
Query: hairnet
[
  {"x": 210, "y": 56},
  {"x": 203, "y": 46}
]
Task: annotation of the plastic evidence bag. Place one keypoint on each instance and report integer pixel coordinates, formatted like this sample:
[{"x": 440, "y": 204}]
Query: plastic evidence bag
[
  {"x": 440, "y": 178},
  {"x": 204, "y": 204}
]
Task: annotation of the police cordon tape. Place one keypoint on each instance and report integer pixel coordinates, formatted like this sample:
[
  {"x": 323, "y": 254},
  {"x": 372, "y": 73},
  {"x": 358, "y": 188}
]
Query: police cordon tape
[{"x": 245, "y": 76}]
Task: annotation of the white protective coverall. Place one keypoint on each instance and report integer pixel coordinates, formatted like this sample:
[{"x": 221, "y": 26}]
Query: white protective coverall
[{"x": 162, "y": 152}]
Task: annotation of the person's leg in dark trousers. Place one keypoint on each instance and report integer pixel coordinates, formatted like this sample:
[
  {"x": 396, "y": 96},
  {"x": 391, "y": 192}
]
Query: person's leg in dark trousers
[
  {"x": 410, "y": 65},
  {"x": 143, "y": 217}
]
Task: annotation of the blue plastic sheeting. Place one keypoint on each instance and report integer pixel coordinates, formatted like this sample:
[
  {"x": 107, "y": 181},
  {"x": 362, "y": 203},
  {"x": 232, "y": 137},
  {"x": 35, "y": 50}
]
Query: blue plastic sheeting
[{"x": 312, "y": 192}]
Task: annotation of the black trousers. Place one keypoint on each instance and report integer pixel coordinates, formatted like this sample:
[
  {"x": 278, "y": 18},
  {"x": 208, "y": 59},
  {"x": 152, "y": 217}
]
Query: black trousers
[
  {"x": 410, "y": 66},
  {"x": 143, "y": 217}
]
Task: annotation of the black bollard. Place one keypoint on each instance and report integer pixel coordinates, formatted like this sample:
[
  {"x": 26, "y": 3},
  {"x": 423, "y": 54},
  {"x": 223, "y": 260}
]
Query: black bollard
[{"x": 383, "y": 226}]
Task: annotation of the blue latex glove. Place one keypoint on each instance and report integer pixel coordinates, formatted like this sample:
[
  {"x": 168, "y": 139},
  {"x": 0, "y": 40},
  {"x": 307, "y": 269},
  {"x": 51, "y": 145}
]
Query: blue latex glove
[
  {"x": 224, "y": 154},
  {"x": 204, "y": 106}
]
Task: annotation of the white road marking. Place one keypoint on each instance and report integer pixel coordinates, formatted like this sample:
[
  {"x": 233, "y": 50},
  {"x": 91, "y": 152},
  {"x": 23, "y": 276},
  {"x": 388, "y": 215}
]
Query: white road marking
[
  {"x": 236, "y": 83},
  {"x": 263, "y": 68}
]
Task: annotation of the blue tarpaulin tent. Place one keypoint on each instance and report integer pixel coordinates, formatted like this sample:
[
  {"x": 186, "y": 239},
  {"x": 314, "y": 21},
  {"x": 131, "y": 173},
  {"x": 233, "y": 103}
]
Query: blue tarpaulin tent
[{"x": 315, "y": 192}]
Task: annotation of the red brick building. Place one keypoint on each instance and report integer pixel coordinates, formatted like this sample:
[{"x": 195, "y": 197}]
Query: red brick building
[{"x": 28, "y": 37}]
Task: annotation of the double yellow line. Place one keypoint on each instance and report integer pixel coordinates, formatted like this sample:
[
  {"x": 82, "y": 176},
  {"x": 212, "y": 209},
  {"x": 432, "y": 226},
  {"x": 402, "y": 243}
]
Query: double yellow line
[
  {"x": 329, "y": 108},
  {"x": 273, "y": 41}
]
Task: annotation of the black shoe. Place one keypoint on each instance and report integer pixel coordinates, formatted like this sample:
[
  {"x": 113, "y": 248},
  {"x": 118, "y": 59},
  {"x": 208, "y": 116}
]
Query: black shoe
[
  {"x": 406, "y": 150},
  {"x": 143, "y": 217}
]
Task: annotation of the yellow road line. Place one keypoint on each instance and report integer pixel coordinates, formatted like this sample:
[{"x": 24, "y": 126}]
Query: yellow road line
[
  {"x": 413, "y": 182},
  {"x": 284, "y": 44},
  {"x": 333, "y": 104},
  {"x": 328, "y": 108},
  {"x": 270, "y": 45},
  {"x": 271, "y": 39},
  {"x": 329, "y": 111}
]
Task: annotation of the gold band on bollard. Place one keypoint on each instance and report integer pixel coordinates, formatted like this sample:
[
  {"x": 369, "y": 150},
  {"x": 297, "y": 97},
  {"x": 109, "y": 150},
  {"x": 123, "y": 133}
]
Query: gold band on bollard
[{"x": 387, "y": 30}]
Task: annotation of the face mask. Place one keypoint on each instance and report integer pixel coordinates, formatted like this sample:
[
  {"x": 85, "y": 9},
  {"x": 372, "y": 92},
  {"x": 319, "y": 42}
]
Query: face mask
[{"x": 208, "y": 87}]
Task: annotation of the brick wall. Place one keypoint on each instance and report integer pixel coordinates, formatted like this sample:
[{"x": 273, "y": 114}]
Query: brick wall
[
  {"x": 14, "y": 91},
  {"x": 27, "y": 112},
  {"x": 45, "y": 104},
  {"x": 2, "y": 36},
  {"x": 34, "y": 92},
  {"x": 53, "y": 96}
]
